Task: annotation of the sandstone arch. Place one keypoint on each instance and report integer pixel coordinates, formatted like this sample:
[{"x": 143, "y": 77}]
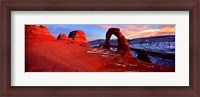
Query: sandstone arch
[{"x": 123, "y": 46}]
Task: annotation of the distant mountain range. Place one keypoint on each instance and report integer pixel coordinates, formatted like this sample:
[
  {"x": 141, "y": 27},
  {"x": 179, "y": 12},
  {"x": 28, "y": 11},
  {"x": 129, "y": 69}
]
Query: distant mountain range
[{"x": 160, "y": 49}]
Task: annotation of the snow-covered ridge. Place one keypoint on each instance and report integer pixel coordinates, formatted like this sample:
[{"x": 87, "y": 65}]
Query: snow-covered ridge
[{"x": 159, "y": 44}]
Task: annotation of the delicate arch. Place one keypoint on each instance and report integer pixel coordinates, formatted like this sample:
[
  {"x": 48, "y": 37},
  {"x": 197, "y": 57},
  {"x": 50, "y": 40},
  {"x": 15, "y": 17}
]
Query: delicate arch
[{"x": 122, "y": 46}]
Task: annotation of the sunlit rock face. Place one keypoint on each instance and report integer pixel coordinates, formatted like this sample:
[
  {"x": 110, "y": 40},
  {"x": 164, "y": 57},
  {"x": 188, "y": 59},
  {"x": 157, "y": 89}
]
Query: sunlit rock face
[
  {"x": 79, "y": 36},
  {"x": 123, "y": 46},
  {"x": 37, "y": 33},
  {"x": 62, "y": 37}
]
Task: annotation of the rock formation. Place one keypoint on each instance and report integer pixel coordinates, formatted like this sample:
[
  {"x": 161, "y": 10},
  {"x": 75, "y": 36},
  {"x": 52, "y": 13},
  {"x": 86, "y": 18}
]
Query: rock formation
[
  {"x": 143, "y": 57},
  {"x": 123, "y": 46},
  {"x": 79, "y": 37},
  {"x": 37, "y": 33},
  {"x": 62, "y": 37}
]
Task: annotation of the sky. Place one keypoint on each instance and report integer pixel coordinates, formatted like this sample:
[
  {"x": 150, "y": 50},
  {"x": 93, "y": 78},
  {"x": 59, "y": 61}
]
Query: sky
[{"x": 98, "y": 31}]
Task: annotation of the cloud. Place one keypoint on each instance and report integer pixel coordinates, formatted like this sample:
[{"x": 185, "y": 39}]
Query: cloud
[
  {"x": 143, "y": 30},
  {"x": 168, "y": 29},
  {"x": 128, "y": 29},
  {"x": 96, "y": 31},
  {"x": 155, "y": 31}
]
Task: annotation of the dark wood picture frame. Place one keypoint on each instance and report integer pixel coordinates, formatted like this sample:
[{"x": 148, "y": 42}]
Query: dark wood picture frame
[{"x": 193, "y": 90}]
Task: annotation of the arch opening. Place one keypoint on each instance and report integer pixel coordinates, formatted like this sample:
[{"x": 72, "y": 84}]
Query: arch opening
[
  {"x": 122, "y": 46},
  {"x": 113, "y": 43}
]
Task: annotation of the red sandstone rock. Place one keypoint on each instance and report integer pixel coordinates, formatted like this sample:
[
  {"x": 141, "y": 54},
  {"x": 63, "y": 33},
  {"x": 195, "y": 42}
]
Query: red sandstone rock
[
  {"x": 123, "y": 45},
  {"x": 37, "y": 33},
  {"x": 62, "y": 37},
  {"x": 67, "y": 40},
  {"x": 56, "y": 56},
  {"x": 79, "y": 37}
]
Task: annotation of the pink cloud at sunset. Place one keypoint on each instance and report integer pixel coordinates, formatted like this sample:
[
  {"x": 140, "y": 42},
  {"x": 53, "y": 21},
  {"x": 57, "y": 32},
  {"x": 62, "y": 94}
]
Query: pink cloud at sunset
[
  {"x": 168, "y": 29},
  {"x": 143, "y": 30}
]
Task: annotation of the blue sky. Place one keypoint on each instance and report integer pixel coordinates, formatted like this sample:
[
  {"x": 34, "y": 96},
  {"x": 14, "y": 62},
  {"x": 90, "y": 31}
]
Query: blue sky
[{"x": 98, "y": 31}]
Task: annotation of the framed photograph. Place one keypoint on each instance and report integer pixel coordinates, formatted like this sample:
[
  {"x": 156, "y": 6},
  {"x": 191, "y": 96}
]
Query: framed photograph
[{"x": 140, "y": 48}]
